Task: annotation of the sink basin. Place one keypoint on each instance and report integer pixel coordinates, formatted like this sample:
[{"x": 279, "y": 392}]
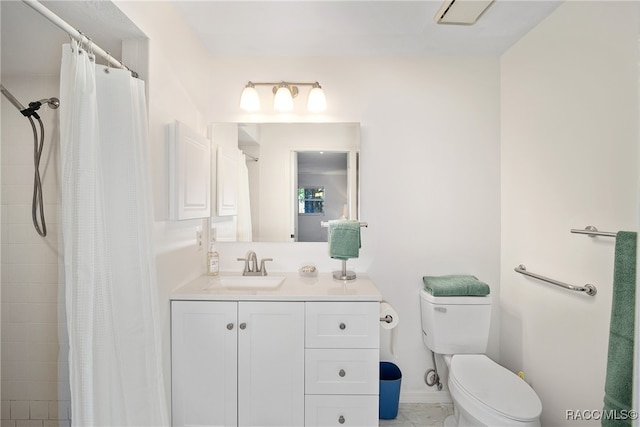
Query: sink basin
[{"x": 251, "y": 282}]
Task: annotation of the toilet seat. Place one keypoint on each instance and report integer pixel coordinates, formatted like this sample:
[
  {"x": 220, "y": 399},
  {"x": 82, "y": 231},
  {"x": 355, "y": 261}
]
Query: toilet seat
[{"x": 494, "y": 387}]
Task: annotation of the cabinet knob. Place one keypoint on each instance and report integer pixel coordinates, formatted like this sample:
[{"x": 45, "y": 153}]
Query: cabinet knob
[
  {"x": 243, "y": 326},
  {"x": 229, "y": 326},
  {"x": 341, "y": 419},
  {"x": 342, "y": 373},
  {"x": 343, "y": 326}
]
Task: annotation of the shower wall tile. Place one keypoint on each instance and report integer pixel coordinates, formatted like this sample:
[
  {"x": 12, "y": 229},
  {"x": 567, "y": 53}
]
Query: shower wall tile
[
  {"x": 18, "y": 390},
  {"x": 19, "y": 194},
  {"x": 29, "y": 423},
  {"x": 16, "y": 155},
  {"x": 16, "y": 293},
  {"x": 25, "y": 233},
  {"x": 32, "y": 273},
  {"x": 42, "y": 351},
  {"x": 34, "y": 355},
  {"x": 13, "y": 332},
  {"x": 44, "y": 293},
  {"x": 20, "y": 410},
  {"x": 19, "y": 214},
  {"x": 57, "y": 423},
  {"x": 45, "y": 254},
  {"x": 39, "y": 410},
  {"x": 16, "y": 175}
]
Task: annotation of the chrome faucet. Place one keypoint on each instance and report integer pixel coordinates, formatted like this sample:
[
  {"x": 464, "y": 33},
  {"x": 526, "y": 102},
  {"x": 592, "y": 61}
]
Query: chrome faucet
[{"x": 251, "y": 267}]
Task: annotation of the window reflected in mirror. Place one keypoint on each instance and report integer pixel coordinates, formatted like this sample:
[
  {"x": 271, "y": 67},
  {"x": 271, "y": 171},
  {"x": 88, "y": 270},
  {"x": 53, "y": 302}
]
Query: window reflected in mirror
[{"x": 310, "y": 200}]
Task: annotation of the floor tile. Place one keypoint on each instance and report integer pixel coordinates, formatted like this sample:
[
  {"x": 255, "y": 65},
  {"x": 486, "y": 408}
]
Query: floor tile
[{"x": 419, "y": 415}]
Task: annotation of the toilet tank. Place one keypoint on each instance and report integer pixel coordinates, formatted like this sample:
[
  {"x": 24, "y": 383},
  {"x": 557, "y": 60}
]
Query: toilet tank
[{"x": 455, "y": 324}]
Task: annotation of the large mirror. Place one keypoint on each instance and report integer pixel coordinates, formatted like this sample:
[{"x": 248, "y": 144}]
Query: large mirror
[{"x": 288, "y": 179}]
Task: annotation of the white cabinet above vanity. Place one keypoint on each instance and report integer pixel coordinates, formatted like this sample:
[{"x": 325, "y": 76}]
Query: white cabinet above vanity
[{"x": 303, "y": 354}]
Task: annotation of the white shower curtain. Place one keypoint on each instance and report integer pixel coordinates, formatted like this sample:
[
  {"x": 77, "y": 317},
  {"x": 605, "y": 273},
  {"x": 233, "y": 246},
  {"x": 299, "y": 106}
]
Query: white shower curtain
[
  {"x": 245, "y": 229},
  {"x": 115, "y": 368}
]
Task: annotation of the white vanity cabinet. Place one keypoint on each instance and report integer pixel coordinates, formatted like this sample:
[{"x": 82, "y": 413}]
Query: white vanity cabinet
[
  {"x": 237, "y": 363},
  {"x": 303, "y": 354}
]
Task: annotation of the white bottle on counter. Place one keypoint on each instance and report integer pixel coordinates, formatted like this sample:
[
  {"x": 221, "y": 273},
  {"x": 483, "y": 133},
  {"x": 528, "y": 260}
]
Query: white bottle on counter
[{"x": 213, "y": 261}]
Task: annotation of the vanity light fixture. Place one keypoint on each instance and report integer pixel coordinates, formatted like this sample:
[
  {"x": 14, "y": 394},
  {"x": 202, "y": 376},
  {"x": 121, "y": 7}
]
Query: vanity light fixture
[{"x": 284, "y": 92}]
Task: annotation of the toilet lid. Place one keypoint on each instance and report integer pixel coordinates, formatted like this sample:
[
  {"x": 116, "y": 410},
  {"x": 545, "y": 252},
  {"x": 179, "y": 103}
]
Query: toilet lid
[{"x": 495, "y": 386}]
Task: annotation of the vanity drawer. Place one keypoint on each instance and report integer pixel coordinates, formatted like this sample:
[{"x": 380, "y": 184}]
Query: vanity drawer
[
  {"x": 342, "y": 325},
  {"x": 341, "y": 411},
  {"x": 337, "y": 371}
]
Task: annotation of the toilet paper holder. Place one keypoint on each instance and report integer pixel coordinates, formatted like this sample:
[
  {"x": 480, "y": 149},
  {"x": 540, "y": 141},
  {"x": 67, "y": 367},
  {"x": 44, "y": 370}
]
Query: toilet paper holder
[{"x": 388, "y": 318}]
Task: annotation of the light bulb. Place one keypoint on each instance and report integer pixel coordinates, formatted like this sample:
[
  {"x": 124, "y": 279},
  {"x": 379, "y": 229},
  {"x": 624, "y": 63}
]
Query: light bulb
[
  {"x": 249, "y": 100},
  {"x": 283, "y": 100},
  {"x": 317, "y": 102}
]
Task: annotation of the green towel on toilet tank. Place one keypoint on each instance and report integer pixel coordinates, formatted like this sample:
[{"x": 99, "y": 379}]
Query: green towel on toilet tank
[
  {"x": 618, "y": 386},
  {"x": 344, "y": 239},
  {"x": 455, "y": 285}
]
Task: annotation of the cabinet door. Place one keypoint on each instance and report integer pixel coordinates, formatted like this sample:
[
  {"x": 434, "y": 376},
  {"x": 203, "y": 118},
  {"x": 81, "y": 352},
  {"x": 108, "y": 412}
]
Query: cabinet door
[
  {"x": 227, "y": 181},
  {"x": 204, "y": 363},
  {"x": 225, "y": 138},
  {"x": 189, "y": 173},
  {"x": 271, "y": 364}
]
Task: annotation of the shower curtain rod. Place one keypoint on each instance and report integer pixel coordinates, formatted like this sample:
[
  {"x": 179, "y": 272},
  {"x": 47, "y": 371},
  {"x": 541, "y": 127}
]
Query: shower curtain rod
[{"x": 66, "y": 27}]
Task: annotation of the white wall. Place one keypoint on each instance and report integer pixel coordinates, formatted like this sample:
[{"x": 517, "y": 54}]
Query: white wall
[
  {"x": 569, "y": 159},
  {"x": 430, "y": 175}
]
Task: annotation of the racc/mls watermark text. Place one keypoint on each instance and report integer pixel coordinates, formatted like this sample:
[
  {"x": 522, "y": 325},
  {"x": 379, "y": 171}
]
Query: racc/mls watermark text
[{"x": 600, "y": 414}]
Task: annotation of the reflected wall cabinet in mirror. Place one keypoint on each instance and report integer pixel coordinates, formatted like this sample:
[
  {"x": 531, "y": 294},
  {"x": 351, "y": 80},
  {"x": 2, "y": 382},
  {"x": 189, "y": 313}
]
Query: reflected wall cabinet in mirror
[{"x": 276, "y": 182}]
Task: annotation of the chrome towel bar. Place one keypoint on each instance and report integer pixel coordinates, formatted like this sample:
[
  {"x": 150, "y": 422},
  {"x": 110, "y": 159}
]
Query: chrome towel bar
[
  {"x": 588, "y": 288},
  {"x": 326, "y": 224},
  {"x": 591, "y": 231}
]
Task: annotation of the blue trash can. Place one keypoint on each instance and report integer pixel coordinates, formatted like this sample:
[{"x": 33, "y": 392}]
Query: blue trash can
[{"x": 390, "y": 379}]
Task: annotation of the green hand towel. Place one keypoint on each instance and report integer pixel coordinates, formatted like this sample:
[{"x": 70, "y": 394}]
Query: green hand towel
[
  {"x": 344, "y": 239},
  {"x": 455, "y": 285},
  {"x": 619, "y": 381}
]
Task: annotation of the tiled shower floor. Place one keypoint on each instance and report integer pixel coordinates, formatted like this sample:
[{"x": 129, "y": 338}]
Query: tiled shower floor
[{"x": 419, "y": 415}]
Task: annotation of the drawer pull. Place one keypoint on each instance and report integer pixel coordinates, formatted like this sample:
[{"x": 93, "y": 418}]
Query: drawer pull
[
  {"x": 342, "y": 373},
  {"x": 343, "y": 326},
  {"x": 243, "y": 326},
  {"x": 341, "y": 419},
  {"x": 229, "y": 326}
]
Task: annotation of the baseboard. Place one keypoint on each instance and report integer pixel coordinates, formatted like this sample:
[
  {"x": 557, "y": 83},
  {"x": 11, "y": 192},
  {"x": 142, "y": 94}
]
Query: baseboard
[{"x": 425, "y": 397}]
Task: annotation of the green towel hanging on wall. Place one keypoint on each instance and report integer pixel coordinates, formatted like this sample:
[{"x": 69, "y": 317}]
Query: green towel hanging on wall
[{"x": 619, "y": 381}]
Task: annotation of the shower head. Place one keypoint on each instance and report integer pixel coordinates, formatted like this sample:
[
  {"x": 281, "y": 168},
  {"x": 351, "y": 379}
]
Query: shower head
[{"x": 53, "y": 103}]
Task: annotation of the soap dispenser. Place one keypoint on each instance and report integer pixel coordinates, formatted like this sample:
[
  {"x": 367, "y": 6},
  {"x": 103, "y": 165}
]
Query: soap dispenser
[{"x": 213, "y": 261}]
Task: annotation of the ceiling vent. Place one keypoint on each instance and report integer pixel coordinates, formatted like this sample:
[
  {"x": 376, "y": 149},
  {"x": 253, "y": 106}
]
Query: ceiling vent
[{"x": 461, "y": 12}]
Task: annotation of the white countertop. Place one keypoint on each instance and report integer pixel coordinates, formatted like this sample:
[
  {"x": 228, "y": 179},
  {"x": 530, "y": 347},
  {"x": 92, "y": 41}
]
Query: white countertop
[{"x": 295, "y": 287}]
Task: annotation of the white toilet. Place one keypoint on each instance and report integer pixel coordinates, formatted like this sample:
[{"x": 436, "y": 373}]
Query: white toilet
[{"x": 483, "y": 392}]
